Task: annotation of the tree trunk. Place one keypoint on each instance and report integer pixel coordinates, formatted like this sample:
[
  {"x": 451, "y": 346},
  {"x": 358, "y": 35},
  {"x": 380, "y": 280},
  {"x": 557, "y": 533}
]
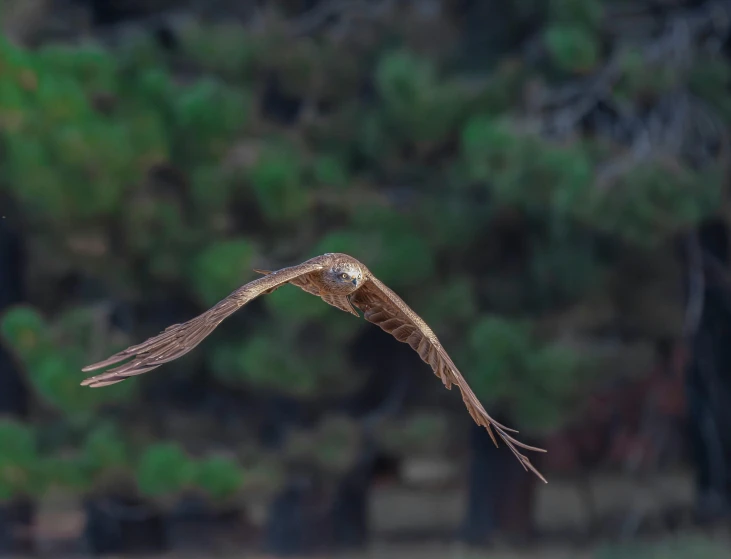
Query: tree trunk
[
  {"x": 14, "y": 397},
  {"x": 306, "y": 519},
  {"x": 501, "y": 493},
  {"x": 117, "y": 525},
  {"x": 349, "y": 513},
  {"x": 708, "y": 382},
  {"x": 16, "y": 518},
  {"x": 16, "y": 524},
  {"x": 195, "y": 525},
  {"x": 293, "y": 525}
]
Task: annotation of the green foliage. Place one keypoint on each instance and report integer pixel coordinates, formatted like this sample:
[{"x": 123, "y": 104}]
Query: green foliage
[
  {"x": 638, "y": 79},
  {"x": 572, "y": 34},
  {"x": 81, "y": 127},
  {"x": 218, "y": 477},
  {"x": 20, "y": 471},
  {"x": 277, "y": 182},
  {"x": 211, "y": 190},
  {"x": 673, "y": 548},
  {"x": 219, "y": 269},
  {"x": 525, "y": 171},
  {"x": 330, "y": 171},
  {"x": 403, "y": 260},
  {"x": 564, "y": 266},
  {"x": 25, "y": 331},
  {"x": 105, "y": 452},
  {"x": 710, "y": 80},
  {"x": 164, "y": 471},
  {"x": 294, "y": 304},
  {"x": 277, "y": 359},
  {"x": 655, "y": 199},
  {"x": 51, "y": 353},
  {"x": 647, "y": 203},
  {"x": 398, "y": 258},
  {"x": 417, "y": 433},
  {"x": 572, "y": 48},
  {"x": 66, "y": 473},
  {"x": 261, "y": 361},
  {"x": 348, "y": 242},
  {"x": 509, "y": 365},
  {"x": 224, "y": 49},
  {"x": 417, "y": 105},
  {"x": 333, "y": 446},
  {"x": 337, "y": 444},
  {"x": 129, "y": 175},
  {"x": 587, "y": 13},
  {"x": 210, "y": 112},
  {"x": 451, "y": 303}
]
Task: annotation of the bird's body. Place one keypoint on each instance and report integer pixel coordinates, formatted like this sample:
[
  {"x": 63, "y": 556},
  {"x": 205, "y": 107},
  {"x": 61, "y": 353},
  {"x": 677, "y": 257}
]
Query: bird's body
[{"x": 341, "y": 281}]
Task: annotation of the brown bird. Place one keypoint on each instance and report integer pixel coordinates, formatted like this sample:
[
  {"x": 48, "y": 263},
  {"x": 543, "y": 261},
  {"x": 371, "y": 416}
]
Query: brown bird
[{"x": 341, "y": 281}]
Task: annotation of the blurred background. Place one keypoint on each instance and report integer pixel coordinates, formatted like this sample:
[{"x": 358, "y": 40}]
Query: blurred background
[{"x": 544, "y": 181}]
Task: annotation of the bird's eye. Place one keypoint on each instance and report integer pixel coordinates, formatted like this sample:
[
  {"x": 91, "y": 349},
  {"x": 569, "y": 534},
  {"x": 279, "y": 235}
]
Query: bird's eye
[{"x": 344, "y": 276}]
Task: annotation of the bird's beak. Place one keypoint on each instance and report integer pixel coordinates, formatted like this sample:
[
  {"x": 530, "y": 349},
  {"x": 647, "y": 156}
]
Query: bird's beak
[{"x": 355, "y": 282}]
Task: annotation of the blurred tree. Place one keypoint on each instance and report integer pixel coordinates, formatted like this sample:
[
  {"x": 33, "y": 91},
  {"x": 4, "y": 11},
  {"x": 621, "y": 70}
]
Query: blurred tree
[
  {"x": 497, "y": 203},
  {"x": 707, "y": 382},
  {"x": 14, "y": 397},
  {"x": 22, "y": 480}
]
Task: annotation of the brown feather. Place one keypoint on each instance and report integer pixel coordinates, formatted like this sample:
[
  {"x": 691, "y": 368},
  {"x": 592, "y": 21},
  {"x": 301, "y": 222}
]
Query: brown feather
[
  {"x": 340, "y": 301},
  {"x": 178, "y": 339},
  {"x": 381, "y": 306}
]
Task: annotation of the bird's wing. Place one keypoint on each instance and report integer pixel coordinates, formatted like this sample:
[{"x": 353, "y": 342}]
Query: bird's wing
[
  {"x": 307, "y": 284},
  {"x": 179, "y": 339},
  {"x": 383, "y": 307}
]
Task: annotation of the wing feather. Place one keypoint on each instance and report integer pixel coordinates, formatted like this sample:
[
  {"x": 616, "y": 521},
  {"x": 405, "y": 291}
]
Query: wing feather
[
  {"x": 381, "y": 306},
  {"x": 178, "y": 339}
]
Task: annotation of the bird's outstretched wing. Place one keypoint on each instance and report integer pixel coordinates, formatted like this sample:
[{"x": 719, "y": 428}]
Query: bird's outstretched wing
[
  {"x": 383, "y": 307},
  {"x": 179, "y": 339}
]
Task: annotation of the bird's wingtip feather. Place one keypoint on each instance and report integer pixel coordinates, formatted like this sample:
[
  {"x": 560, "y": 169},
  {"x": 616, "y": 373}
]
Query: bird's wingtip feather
[{"x": 113, "y": 360}]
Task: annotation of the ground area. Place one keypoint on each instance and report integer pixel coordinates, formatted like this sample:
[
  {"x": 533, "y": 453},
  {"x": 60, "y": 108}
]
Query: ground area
[{"x": 630, "y": 521}]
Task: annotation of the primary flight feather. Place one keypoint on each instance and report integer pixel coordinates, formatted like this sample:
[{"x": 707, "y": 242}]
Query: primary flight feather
[{"x": 341, "y": 281}]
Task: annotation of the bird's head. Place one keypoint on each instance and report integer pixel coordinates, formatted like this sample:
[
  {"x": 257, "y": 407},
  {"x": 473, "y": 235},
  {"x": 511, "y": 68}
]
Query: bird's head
[{"x": 343, "y": 277}]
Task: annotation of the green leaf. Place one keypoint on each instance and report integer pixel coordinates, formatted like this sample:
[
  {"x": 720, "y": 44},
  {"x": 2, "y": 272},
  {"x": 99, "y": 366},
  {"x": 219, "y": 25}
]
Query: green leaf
[
  {"x": 66, "y": 472},
  {"x": 277, "y": 181},
  {"x": 224, "y": 48},
  {"x": 20, "y": 473},
  {"x": 164, "y": 470},
  {"x": 345, "y": 241},
  {"x": 416, "y": 105},
  {"x": 403, "y": 260},
  {"x": 572, "y": 48},
  {"x": 208, "y": 114},
  {"x": 587, "y": 13},
  {"x": 499, "y": 346},
  {"x": 268, "y": 365},
  {"x": 219, "y": 269},
  {"x": 24, "y": 330},
  {"x": 330, "y": 171},
  {"x": 654, "y": 200},
  {"x": 487, "y": 145},
  {"x": 454, "y": 301},
  {"x": 219, "y": 477},
  {"x": 291, "y": 303},
  {"x": 402, "y": 78},
  {"x": 104, "y": 450},
  {"x": 710, "y": 79}
]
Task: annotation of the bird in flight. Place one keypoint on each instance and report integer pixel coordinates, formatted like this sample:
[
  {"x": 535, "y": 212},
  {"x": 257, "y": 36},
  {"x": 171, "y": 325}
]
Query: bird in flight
[{"x": 341, "y": 281}]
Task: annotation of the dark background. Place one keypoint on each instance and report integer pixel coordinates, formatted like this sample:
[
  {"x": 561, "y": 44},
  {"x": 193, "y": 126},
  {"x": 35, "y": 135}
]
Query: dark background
[{"x": 544, "y": 181}]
